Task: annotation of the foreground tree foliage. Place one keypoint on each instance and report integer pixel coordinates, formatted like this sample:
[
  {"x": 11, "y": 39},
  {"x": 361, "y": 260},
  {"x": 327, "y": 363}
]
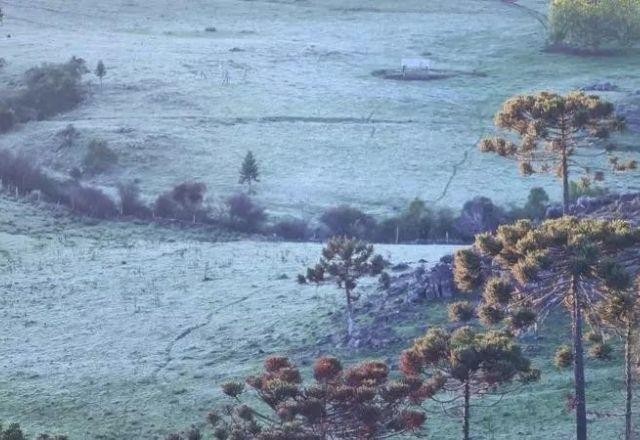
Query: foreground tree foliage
[
  {"x": 465, "y": 363},
  {"x": 357, "y": 403},
  {"x": 590, "y": 25},
  {"x": 553, "y": 132},
  {"x": 344, "y": 261},
  {"x": 567, "y": 262},
  {"x": 620, "y": 311}
]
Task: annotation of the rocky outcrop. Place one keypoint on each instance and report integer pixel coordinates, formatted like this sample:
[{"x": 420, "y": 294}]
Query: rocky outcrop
[
  {"x": 610, "y": 207},
  {"x": 421, "y": 284},
  {"x": 601, "y": 87}
]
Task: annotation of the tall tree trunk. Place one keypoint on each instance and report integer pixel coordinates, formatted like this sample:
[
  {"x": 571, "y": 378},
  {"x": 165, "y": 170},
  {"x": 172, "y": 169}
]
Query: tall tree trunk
[
  {"x": 350, "y": 322},
  {"x": 578, "y": 365},
  {"x": 466, "y": 415},
  {"x": 628, "y": 382},
  {"x": 565, "y": 182}
]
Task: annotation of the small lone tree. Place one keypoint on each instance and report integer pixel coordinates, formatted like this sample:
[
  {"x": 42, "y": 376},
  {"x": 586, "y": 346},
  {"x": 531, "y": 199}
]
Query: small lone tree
[
  {"x": 360, "y": 403},
  {"x": 344, "y": 261},
  {"x": 249, "y": 171},
  {"x": 101, "y": 71},
  {"x": 553, "y": 132},
  {"x": 566, "y": 262},
  {"x": 620, "y": 311},
  {"x": 466, "y": 363}
]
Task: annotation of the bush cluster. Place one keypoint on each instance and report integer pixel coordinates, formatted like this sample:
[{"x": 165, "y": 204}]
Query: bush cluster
[
  {"x": 46, "y": 91},
  {"x": 420, "y": 224},
  {"x": 186, "y": 203},
  {"x": 588, "y": 26}
]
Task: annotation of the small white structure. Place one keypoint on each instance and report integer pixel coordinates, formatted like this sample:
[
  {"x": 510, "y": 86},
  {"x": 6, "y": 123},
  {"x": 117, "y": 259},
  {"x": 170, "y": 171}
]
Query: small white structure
[{"x": 413, "y": 64}]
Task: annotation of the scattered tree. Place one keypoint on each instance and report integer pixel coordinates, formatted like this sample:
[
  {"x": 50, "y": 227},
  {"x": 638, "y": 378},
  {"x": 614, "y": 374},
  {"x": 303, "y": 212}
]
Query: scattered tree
[
  {"x": 465, "y": 363},
  {"x": 344, "y": 261},
  {"x": 567, "y": 262},
  {"x": 554, "y": 131},
  {"x": 536, "y": 205},
  {"x": 360, "y": 403},
  {"x": 620, "y": 311},
  {"x": 249, "y": 171},
  {"x": 101, "y": 71}
]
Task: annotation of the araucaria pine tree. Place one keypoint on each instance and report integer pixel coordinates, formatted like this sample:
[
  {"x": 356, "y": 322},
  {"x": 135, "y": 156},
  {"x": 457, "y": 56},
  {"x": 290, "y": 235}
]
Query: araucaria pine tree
[
  {"x": 101, "y": 71},
  {"x": 566, "y": 262},
  {"x": 359, "y": 403},
  {"x": 554, "y": 132},
  {"x": 344, "y": 261},
  {"x": 620, "y": 311},
  {"x": 466, "y": 363},
  {"x": 249, "y": 172}
]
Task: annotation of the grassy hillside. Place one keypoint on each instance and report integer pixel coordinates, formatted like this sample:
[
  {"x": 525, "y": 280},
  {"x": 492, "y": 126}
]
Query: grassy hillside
[{"x": 301, "y": 93}]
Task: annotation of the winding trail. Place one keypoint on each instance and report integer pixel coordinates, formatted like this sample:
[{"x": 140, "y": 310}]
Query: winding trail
[{"x": 186, "y": 332}]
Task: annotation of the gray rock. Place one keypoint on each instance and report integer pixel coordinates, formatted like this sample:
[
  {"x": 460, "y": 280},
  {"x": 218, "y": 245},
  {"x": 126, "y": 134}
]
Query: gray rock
[{"x": 601, "y": 87}]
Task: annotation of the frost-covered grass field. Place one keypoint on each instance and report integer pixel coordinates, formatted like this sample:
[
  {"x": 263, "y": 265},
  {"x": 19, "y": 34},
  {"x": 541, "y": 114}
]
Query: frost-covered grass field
[
  {"x": 126, "y": 331},
  {"x": 300, "y": 93},
  {"x": 109, "y": 331},
  {"x": 120, "y": 330}
]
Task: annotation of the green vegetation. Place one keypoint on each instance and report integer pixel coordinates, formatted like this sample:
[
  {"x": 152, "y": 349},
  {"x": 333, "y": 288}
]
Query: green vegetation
[
  {"x": 344, "y": 261},
  {"x": 592, "y": 25},
  {"x": 466, "y": 363},
  {"x": 568, "y": 262},
  {"x": 620, "y": 312},
  {"x": 45, "y": 91}
]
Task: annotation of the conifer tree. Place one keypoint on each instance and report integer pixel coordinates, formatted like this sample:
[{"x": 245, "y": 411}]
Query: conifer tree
[
  {"x": 466, "y": 363},
  {"x": 620, "y": 311},
  {"x": 101, "y": 71},
  {"x": 344, "y": 261},
  {"x": 249, "y": 171},
  {"x": 566, "y": 262},
  {"x": 358, "y": 403},
  {"x": 553, "y": 132}
]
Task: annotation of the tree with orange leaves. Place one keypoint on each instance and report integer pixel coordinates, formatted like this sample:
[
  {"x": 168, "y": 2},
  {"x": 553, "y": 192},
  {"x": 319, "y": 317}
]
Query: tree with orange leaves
[{"x": 359, "y": 403}]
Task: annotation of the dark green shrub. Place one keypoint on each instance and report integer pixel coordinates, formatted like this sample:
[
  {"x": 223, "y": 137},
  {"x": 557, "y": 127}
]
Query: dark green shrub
[
  {"x": 99, "y": 157},
  {"x": 51, "y": 89}
]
